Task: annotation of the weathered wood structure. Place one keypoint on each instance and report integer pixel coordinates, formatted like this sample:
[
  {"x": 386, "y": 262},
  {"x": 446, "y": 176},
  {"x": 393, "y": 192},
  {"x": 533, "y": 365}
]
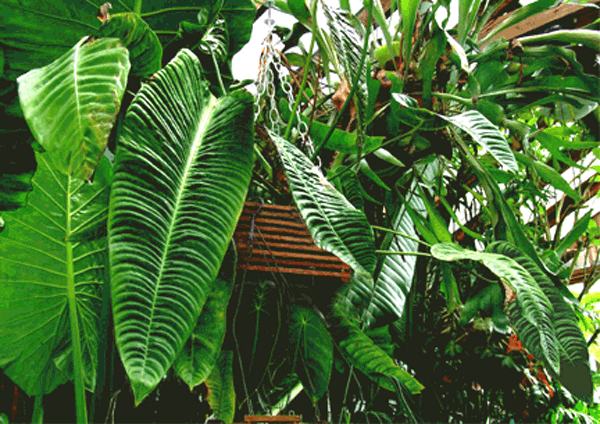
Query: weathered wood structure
[{"x": 274, "y": 238}]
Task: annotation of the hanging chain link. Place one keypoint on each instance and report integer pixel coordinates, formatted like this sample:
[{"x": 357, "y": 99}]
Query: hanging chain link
[{"x": 271, "y": 63}]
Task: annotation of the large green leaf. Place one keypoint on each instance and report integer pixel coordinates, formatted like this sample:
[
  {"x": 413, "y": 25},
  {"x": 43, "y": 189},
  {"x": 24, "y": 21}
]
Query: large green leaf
[
  {"x": 221, "y": 395},
  {"x": 334, "y": 223},
  {"x": 385, "y": 299},
  {"x": 183, "y": 166},
  {"x": 39, "y": 31},
  {"x": 200, "y": 352},
  {"x": 575, "y": 372},
  {"x": 49, "y": 287},
  {"x": 532, "y": 314},
  {"x": 145, "y": 51},
  {"x": 311, "y": 350},
  {"x": 367, "y": 357},
  {"x": 486, "y": 134},
  {"x": 71, "y": 104},
  {"x": 348, "y": 43}
]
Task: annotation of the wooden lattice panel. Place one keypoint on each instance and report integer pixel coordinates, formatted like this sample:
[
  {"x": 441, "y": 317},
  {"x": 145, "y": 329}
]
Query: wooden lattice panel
[{"x": 281, "y": 243}]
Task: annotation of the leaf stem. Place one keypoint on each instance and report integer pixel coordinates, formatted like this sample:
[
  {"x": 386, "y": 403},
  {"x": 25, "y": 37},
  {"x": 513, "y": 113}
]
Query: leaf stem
[
  {"x": 397, "y": 252},
  {"x": 387, "y": 230},
  {"x": 137, "y": 7},
  {"x": 78, "y": 369},
  {"x": 218, "y": 71}
]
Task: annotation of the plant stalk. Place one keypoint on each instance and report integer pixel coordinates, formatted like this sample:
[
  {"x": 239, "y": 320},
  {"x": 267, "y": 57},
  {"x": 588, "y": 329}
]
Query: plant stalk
[{"x": 78, "y": 369}]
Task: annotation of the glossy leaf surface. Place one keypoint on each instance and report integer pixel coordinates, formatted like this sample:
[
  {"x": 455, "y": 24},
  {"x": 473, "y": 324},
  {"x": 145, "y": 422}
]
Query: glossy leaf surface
[
  {"x": 198, "y": 356},
  {"x": 485, "y": 133},
  {"x": 72, "y": 104},
  {"x": 334, "y": 223},
  {"x": 183, "y": 166},
  {"x": 369, "y": 358},
  {"x": 532, "y": 314},
  {"x": 575, "y": 372},
  {"x": 42, "y": 276}
]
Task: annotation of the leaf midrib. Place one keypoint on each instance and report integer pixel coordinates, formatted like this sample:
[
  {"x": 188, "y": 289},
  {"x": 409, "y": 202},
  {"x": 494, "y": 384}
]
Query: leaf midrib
[{"x": 200, "y": 130}]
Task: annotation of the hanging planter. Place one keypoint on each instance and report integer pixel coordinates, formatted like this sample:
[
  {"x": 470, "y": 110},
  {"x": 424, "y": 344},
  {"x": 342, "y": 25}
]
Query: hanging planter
[{"x": 273, "y": 238}]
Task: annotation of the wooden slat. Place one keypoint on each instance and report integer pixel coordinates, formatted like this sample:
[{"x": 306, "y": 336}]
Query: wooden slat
[
  {"x": 282, "y": 243},
  {"x": 571, "y": 16},
  {"x": 272, "y": 418}
]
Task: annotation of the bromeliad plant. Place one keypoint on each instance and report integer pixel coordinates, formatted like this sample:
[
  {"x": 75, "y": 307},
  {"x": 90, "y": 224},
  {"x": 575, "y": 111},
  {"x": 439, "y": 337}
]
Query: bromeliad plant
[{"x": 144, "y": 154}]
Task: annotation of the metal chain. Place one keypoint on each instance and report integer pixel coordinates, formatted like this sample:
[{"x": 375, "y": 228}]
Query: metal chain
[{"x": 271, "y": 63}]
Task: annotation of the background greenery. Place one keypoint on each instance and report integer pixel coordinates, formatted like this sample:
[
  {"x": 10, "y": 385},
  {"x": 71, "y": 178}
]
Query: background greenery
[{"x": 435, "y": 170}]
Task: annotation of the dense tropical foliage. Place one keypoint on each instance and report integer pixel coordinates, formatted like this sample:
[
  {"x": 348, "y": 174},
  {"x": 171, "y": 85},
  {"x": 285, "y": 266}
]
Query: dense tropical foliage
[{"x": 424, "y": 157}]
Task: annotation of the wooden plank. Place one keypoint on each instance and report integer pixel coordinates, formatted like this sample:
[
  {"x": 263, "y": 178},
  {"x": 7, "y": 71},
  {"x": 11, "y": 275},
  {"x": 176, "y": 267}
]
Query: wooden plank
[
  {"x": 342, "y": 274},
  {"x": 575, "y": 17},
  {"x": 272, "y": 418}
]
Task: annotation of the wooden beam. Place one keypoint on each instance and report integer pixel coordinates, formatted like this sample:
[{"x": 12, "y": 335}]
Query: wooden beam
[{"x": 568, "y": 16}]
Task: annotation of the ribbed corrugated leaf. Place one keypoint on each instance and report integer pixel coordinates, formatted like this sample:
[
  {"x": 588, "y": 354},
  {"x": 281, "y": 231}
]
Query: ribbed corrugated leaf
[
  {"x": 532, "y": 314},
  {"x": 385, "y": 299},
  {"x": 368, "y": 358},
  {"x": 349, "y": 45},
  {"x": 487, "y": 134},
  {"x": 311, "y": 350},
  {"x": 200, "y": 352},
  {"x": 42, "y": 276},
  {"x": 183, "y": 166},
  {"x": 71, "y": 104},
  {"x": 574, "y": 357},
  {"x": 334, "y": 223}
]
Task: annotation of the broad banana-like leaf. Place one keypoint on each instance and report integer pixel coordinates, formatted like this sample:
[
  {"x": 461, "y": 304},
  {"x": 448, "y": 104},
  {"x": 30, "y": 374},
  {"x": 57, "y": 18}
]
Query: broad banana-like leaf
[
  {"x": 334, "y": 223},
  {"x": 360, "y": 351},
  {"x": 182, "y": 168},
  {"x": 311, "y": 350},
  {"x": 221, "y": 395},
  {"x": 200, "y": 352},
  {"x": 575, "y": 372},
  {"x": 72, "y": 103},
  {"x": 50, "y": 288},
  {"x": 486, "y": 134},
  {"x": 532, "y": 314},
  {"x": 145, "y": 51}
]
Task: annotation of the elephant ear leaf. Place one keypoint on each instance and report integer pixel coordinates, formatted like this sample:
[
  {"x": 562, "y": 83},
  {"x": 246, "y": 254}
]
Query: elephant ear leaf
[
  {"x": 200, "y": 352},
  {"x": 311, "y": 350},
  {"x": 50, "y": 288},
  {"x": 145, "y": 50},
  {"x": 182, "y": 169},
  {"x": 575, "y": 372},
  {"x": 334, "y": 223},
  {"x": 72, "y": 103}
]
